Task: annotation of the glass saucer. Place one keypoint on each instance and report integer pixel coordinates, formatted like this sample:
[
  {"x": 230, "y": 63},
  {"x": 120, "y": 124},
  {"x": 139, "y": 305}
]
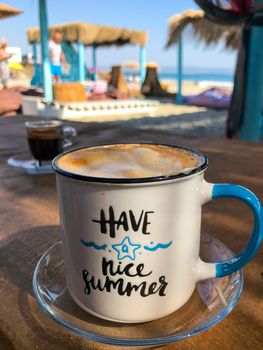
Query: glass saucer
[
  {"x": 211, "y": 302},
  {"x": 25, "y": 164}
]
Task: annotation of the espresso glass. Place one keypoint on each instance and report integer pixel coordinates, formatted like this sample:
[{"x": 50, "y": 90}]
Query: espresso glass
[{"x": 47, "y": 138}]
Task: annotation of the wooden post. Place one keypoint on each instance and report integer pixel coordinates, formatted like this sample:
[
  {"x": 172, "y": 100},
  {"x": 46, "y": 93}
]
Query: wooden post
[
  {"x": 179, "y": 98},
  {"x": 142, "y": 63},
  {"x": 47, "y": 78},
  {"x": 81, "y": 62},
  {"x": 252, "y": 114},
  {"x": 94, "y": 63}
]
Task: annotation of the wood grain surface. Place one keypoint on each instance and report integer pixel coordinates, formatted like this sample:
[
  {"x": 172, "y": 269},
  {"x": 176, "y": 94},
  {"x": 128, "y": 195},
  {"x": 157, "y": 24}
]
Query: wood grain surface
[{"x": 29, "y": 224}]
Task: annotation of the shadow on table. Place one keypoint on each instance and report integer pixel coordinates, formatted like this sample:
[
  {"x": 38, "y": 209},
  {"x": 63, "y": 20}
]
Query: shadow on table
[
  {"x": 5, "y": 342},
  {"x": 19, "y": 256}
]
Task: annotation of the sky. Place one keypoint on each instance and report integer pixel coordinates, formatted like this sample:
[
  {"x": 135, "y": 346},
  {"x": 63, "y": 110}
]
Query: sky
[{"x": 147, "y": 15}]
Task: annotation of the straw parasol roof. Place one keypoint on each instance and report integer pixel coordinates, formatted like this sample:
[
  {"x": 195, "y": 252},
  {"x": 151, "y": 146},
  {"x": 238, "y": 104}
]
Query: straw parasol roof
[
  {"x": 91, "y": 34},
  {"x": 8, "y": 11},
  {"x": 203, "y": 28},
  {"x": 151, "y": 64},
  {"x": 131, "y": 65}
]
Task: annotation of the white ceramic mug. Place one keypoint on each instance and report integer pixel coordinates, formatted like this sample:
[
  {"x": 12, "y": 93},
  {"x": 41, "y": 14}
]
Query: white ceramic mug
[{"x": 131, "y": 246}]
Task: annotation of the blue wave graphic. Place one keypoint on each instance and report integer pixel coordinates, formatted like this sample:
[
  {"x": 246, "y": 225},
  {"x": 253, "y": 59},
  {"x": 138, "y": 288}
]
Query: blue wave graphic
[
  {"x": 158, "y": 246},
  {"x": 94, "y": 245}
]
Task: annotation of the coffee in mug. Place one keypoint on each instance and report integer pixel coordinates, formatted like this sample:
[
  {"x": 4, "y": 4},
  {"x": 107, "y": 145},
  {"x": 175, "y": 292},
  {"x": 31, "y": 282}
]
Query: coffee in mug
[
  {"x": 129, "y": 161},
  {"x": 131, "y": 221}
]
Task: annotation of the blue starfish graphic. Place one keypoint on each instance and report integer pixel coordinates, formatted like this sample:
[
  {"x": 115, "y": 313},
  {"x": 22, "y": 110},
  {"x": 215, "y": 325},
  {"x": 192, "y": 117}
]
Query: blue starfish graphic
[{"x": 126, "y": 249}]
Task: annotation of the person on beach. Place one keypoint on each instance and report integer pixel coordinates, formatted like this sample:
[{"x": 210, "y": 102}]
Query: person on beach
[
  {"x": 57, "y": 56},
  {"x": 4, "y": 69}
]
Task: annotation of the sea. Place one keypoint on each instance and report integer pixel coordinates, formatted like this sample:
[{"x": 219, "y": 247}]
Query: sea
[{"x": 225, "y": 76}]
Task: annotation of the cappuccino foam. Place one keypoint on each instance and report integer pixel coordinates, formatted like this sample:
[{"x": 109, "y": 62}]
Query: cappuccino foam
[{"x": 129, "y": 161}]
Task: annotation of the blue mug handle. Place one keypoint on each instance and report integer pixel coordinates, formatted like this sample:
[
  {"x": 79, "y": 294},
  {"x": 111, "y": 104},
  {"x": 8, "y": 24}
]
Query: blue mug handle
[{"x": 239, "y": 192}]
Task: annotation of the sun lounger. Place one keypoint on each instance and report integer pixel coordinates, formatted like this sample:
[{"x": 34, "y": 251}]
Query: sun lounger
[
  {"x": 118, "y": 81},
  {"x": 212, "y": 98}
]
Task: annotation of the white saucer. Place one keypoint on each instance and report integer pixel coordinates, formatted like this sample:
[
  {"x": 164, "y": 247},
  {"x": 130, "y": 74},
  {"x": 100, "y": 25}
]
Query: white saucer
[{"x": 212, "y": 301}]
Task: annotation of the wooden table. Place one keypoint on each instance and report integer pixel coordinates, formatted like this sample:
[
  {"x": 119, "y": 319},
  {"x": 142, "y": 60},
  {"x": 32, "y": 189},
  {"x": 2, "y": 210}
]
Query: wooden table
[{"x": 29, "y": 225}]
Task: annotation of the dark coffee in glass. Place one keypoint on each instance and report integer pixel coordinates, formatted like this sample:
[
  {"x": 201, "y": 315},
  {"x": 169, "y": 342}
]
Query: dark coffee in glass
[{"x": 45, "y": 139}]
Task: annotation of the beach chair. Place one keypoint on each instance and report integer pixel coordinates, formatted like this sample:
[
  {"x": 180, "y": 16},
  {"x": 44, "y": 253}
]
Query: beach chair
[
  {"x": 151, "y": 86},
  {"x": 118, "y": 81}
]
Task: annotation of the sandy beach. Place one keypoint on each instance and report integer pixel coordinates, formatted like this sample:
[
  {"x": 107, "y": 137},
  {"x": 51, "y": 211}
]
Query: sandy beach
[
  {"x": 186, "y": 120},
  {"x": 177, "y": 119},
  {"x": 191, "y": 87},
  {"x": 191, "y": 121},
  {"x": 181, "y": 120}
]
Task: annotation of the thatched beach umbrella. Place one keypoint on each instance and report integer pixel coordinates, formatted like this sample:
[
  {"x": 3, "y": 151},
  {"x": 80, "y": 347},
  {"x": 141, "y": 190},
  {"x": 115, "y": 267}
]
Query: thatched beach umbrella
[
  {"x": 134, "y": 65},
  {"x": 8, "y": 11},
  {"x": 84, "y": 34},
  {"x": 205, "y": 31},
  {"x": 93, "y": 34}
]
